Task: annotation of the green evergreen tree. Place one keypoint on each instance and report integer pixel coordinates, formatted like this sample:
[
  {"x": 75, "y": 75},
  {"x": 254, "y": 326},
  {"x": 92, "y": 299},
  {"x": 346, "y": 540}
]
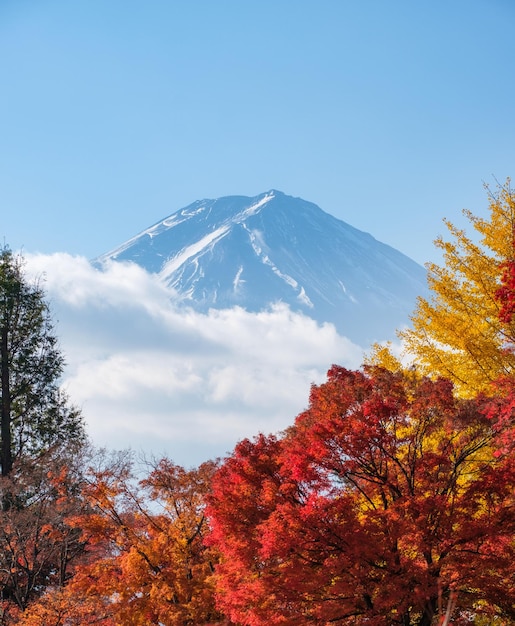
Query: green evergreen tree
[{"x": 35, "y": 414}]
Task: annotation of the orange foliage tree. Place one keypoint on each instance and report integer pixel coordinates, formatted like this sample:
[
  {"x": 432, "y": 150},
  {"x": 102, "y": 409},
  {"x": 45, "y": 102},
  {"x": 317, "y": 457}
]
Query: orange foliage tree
[
  {"x": 62, "y": 607},
  {"x": 38, "y": 548},
  {"x": 388, "y": 501},
  {"x": 148, "y": 563}
]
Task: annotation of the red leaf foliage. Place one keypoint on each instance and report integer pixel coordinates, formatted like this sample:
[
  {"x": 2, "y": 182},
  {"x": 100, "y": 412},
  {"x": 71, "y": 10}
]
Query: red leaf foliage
[
  {"x": 506, "y": 292},
  {"x": 387, "y": 499}
]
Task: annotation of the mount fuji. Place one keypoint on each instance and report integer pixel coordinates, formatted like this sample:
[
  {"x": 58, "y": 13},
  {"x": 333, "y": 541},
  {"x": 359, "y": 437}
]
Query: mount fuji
[{"x": 254, "y": 252}]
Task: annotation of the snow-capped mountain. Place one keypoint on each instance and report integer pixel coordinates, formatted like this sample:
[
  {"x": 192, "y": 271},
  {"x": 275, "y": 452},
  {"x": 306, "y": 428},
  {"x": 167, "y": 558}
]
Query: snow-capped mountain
[{"x": 253, "y": 252}]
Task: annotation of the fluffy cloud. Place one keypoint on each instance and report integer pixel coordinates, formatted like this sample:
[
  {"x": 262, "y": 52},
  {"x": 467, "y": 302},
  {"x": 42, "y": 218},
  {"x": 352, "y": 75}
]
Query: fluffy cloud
[{"x": 161, "y": 379}]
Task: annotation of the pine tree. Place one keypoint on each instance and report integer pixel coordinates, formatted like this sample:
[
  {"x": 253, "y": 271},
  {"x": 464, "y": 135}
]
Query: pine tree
[{"x": 35, "y": 414}]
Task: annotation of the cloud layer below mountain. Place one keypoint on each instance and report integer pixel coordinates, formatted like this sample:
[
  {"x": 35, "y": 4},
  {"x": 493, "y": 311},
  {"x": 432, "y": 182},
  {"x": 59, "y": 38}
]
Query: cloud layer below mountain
[{"x": 160, "y": 379}]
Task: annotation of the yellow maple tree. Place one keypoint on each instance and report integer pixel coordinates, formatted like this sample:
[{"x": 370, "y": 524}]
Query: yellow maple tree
[{"x": 456, "y": 333}]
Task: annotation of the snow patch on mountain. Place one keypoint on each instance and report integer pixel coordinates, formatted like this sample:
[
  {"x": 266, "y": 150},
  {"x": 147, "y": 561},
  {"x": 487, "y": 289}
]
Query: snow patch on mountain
[
  {"x": 351, "y": 297},
  {"x": 254, "y": 208},
  {"x": 238, "y": 280},
  {"x": 303, "y": 298},
  {"x": 192, "y": 251}
]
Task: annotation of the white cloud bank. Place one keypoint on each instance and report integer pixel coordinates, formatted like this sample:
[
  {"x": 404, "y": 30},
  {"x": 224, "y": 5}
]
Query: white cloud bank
[{"x": 164, "y": 380}]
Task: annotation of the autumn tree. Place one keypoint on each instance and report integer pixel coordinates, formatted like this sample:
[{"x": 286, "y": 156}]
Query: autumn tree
[
  {"x": 388, "y": 501},
  {"x": 148, "y": 563},
  {"x": 505, "y": 294},
  {"x": 35, "y": 414},
  {"x": 38, "y": 547},
  {"x": 462, "y": 331},
  {"x": 63, "y": 607}
]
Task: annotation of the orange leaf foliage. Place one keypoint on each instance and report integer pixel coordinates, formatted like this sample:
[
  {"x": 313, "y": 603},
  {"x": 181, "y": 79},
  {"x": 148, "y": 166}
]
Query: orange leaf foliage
[{"x": 147, "y": 562}]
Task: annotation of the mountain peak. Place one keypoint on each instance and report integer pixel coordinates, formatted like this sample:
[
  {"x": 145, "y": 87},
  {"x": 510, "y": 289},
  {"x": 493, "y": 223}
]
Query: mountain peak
[{"x": 218, "y": 253}]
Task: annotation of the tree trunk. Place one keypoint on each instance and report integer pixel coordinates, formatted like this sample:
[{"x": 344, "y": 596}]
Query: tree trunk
[
  {"x": 430, "y": 610},
  {"x": 5, "y": 429}
]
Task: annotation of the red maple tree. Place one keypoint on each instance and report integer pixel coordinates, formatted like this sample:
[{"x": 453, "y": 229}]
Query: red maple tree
[
  {"x": 506, "y": 292},
  {"x": 389, "y": 500}
]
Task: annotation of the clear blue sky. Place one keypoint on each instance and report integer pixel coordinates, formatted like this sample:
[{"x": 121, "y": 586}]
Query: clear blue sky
[{"x": 115, "y": 113}]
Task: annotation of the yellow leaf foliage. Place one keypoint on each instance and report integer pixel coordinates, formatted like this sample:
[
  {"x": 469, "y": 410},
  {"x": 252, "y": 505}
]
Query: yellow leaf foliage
[{"x": 456, "y": 333}]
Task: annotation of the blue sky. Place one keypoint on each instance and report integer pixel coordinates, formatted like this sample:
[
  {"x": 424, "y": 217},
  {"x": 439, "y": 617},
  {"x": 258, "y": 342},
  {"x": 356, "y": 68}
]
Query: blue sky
[
  {"x": 389, "y": 115},
  {"x": 116, "y": 113}
]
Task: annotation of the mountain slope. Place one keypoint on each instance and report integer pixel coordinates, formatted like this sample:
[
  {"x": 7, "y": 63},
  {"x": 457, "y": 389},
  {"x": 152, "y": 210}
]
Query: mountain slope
[{"x": 252, "y": 252}]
